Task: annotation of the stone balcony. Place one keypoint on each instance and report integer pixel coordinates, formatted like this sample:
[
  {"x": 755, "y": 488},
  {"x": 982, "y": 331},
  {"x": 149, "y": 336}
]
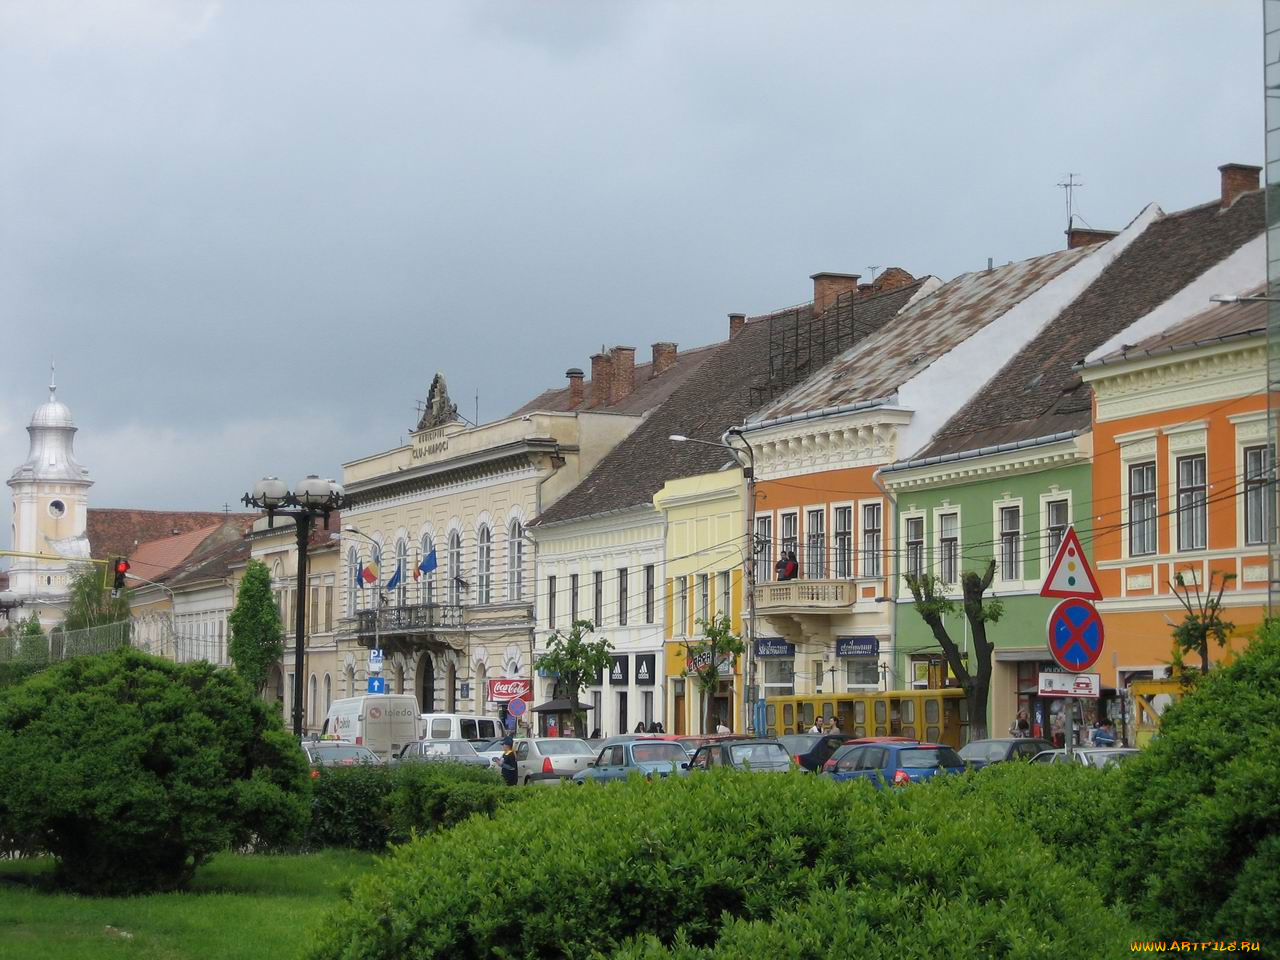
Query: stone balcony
[{"x": 806, "y": 596}]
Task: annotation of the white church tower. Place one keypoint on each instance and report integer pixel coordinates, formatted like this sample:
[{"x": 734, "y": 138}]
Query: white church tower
[{"x": 50, "y": 508}]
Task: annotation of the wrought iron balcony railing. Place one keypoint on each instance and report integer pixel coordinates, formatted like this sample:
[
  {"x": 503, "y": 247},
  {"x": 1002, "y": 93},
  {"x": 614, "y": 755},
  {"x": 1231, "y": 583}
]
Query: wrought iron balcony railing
[{"x": 407, "y": 619}]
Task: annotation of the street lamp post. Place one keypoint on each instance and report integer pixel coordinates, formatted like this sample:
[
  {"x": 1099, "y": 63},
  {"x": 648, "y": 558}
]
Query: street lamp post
[
  {"x": 749, "y": 558},
  {"x": 311, "y": 498}
]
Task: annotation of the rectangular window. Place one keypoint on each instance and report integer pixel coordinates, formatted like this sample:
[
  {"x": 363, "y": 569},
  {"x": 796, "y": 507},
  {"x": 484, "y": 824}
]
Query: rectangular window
[
  {"x": 844, "y": 542},
  {"x": 726, "y": 595},
  {"x": 779, "y": 677},
  {"x": 763, "y": 548},
  {"x": 871, "y": 515},
  {"x": 622, "y": 596},
  {"x": 703, "y": 597},
  {"x": 1192, "y": 512},
  {"x": 949, "y": 547},
  {"x": 573, "y": 598},
  {"x": 915, "y": 546},
  {"x": 790, "y": 533},
  {"x": 1142, "y": 509},
  {"x": 622, "y": 711},
  {"x": 328, "y": 608},
  {"x": 597, "y": 606},
  {"x": 1055, "y": 525},
  {"x": 649, "y": 586},
  {"x": 1259, "y": 515},
  {"x": 1010, "y": 543},
  {"x": 646, "y": 701},
  {"x": 815, "y": 547},
  {"x": 314, "y": 613},
  {"x": 684, "y": 607},
  {"x": 551, "y": 602},
  {"x": 861, "y": 672}
]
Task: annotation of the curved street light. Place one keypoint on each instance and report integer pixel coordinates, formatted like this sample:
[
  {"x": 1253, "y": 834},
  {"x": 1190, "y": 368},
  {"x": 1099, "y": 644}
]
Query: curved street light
[{"x": 311, "y": 498}]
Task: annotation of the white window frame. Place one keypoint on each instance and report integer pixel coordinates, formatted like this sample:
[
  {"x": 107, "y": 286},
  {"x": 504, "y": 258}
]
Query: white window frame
[
  {"x": 905, "y": 519},
  {"x": 814, "y": 551},
  {"x": 1251, "y": 432},
  {"x": 1182, "y": 441},
  {"x": 1136, "y": 448},
  {"x": 869, "y": 564},
  {"x": 1054, "y": 495},
  {"x": 765, "y": 555},
  {"x": 997, "y": 528},
  {"x": 849, "y": 566},
  {"x": 947, "y": 510},
  {"x": 794, "y": 515}
]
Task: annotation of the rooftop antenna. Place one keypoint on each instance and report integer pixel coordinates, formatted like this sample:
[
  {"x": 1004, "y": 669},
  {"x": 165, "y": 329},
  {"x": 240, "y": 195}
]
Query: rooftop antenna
[
  {"x": 1068, "y": 186},
  {"x": 873, "y": 272}
]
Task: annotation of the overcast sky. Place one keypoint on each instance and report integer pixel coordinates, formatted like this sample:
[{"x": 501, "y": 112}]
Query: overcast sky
[{"x": 249, "y": 231}]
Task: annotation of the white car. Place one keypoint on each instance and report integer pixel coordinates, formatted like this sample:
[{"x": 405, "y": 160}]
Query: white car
[
  {"x": 1099, "y": 757},
  {"x": 548, "y": 760}
]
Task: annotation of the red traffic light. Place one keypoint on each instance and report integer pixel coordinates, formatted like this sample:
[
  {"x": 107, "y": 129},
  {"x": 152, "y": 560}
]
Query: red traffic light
[{"x": 122, "y": 566}]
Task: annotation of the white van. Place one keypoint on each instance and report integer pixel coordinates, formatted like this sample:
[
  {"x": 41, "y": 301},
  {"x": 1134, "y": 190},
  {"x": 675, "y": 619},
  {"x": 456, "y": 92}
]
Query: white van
[
  {"x": 382, "y": 722},
  {"x": 460, "y": 726}
]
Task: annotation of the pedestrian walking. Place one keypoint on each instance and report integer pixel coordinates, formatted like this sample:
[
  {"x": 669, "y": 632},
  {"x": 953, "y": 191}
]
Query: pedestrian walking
[{"x": 509, "y": 769}]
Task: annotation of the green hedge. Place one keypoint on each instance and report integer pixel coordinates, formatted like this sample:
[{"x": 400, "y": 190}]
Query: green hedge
[
  {"x": 1195, "y": 845},
  {"x": 728, "y": 864},
  {"x": 365, "y": 807}
]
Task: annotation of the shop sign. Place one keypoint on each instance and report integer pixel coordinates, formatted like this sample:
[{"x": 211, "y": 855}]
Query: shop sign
[
  {"x": 774, "y": 647},
  {"x": 515, "y": 688},
  {"x": 1087, "y": 685},
  {"x": 857, "y": 646},
  {"x": 702, "y": 659},
  {"x": 618, "y": 670},
  {"x": 646, "y": 669}
]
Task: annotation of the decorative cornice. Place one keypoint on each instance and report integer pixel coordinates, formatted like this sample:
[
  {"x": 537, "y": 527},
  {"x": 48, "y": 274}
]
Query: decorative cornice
[
  {"x": 1062, "y": 453},
  {"x": 858, "y": 439},
  {"x": 1178, "y": 380}
]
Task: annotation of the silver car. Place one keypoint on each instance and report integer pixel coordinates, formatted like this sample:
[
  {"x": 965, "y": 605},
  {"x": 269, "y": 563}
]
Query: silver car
[
  {"x": 1100, "y": 757},
  {"x": 442, "y": 751},
  {"x": 548, "y": 760}
]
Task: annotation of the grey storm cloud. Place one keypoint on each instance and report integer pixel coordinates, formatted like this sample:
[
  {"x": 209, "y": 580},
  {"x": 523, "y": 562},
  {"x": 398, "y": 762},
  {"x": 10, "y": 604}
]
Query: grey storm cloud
[{"x": 250, "y": 232}]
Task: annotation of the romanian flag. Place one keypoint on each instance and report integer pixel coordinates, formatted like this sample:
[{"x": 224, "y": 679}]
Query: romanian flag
[
  {"x": 395, "y": 580},
  {"x": 427, "y": 565},
  {"x": 369, "y": 574}
]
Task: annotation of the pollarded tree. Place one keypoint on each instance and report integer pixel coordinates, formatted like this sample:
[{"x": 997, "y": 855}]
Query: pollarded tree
[
  {"x": 1203, "y": 621},
  {"x": 576, "y": 661},
  {"x": 717, "y": 644},
  {"x": 929, "y": 598},
  {"x": 257, "y": 639}
]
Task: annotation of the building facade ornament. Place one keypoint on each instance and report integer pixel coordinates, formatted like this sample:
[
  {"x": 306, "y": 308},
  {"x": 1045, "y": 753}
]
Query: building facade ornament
[{"x": 439, "y": 409}]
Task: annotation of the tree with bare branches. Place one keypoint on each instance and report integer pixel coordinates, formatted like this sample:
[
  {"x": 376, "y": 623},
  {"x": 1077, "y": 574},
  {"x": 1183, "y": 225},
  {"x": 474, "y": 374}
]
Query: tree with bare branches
[{"x": 1203, "y": 621}]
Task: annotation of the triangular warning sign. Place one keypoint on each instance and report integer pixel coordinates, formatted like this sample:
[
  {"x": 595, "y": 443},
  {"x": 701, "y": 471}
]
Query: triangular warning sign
[{"x": 1069, "y": 574}]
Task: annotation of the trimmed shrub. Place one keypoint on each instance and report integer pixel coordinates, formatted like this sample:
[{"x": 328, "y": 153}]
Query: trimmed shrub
[
  {"x": 1195, "y": 845},
  {"x": 725, "y": 864},
  {"x": 366, "y": 807},
  {"x": 132, "y": 771}
]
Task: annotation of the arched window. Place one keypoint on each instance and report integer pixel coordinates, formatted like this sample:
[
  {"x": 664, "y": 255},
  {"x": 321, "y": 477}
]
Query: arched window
[
  {"x": 311, "y": 700},
  {"x": 402, "y": 567},
  {"x": 515, "y": 561},
  {"x": 427, "y": 581},
  {"x": 484, "y": 565},
  {"x": 353, "y": 579},
  {"x": 328, "y": 693},
  {"x": 350, "y": 676},
  {"x": 454, "y": 569}
]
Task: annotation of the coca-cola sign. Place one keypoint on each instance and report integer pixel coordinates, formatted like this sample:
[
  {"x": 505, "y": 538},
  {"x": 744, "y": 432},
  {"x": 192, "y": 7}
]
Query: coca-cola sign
[{"x": 517, "y": 688}]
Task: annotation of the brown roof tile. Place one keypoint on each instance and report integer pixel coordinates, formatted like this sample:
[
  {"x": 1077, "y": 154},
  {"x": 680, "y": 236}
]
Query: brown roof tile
[
  {"x": 152, "y": 560},
  {"x": 115, "y": 532},
  {"x": 1038, "y": 393},
  {"x": 1222, "y": 321}
]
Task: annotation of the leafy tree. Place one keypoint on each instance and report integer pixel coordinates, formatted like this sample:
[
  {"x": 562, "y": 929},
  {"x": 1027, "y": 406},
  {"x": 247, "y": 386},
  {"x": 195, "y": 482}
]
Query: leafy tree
[
  {"x": 257, "y": 639},
  {"x": 1203, "y": 621},
  {"x": 576, "y": 661},
  {"x": 928, "y": 594},
  {"x": 718, "y": 641},
  {"x": 91, "y": 603},
  {"x": 132, "y": 771}
]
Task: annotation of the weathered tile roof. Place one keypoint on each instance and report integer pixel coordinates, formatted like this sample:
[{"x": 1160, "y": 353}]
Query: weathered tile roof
[
  {"x": 719, "y": 396},
  {"x": 1222, "y": 321},
  {"x": 917, "y": 337},
  {"x": 214, "y": 560},
  {"x": 154, "y": 559},
  {"x": 114, "y": 532},
  {"x": 1038, "y": 393}
]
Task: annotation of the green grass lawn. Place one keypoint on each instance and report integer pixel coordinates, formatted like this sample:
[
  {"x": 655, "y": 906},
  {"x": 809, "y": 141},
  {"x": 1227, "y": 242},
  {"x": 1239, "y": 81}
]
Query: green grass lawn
[{"x": 237, "y": 907}]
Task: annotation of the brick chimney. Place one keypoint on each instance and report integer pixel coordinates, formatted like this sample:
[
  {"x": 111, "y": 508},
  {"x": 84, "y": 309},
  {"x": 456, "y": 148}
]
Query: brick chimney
[
  {"x": 1087, "y": 236},
  {"x": 624, "y": 372},
  {"x": 891, "y": 278},
  {"x": 1237, "y": 178},
  {"x": 601, "y": 379},
  {"x": 828, "y": 286},
  {"x": 664, "y": 355},
  {"x": 736, "y": 322},
  {"x": 575, "y": 385}
]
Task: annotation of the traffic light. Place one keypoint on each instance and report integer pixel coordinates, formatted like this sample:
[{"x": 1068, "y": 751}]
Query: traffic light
[{"x": 121, "y": 568}]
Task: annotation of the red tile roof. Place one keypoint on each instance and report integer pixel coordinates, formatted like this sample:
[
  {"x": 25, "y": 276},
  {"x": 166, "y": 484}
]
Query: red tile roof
[
  {"x": 115, "y": 532},
  {"x": 152, "y": 560}
]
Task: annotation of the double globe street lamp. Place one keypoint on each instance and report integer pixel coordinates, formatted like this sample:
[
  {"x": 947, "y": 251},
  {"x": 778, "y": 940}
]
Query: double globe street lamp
[{"x": 310, "y": 499}]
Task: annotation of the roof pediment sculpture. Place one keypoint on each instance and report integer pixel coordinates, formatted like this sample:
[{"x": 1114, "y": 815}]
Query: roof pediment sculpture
[{"x": 439, "y": 409}]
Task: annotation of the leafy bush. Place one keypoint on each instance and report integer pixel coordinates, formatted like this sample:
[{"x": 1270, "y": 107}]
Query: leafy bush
[
  {"x": 725, "y": 864},
  {"x": 366, "y": 807},
  {"x": 132, "y": 771},
  {"x": 1195, "y": 844}
]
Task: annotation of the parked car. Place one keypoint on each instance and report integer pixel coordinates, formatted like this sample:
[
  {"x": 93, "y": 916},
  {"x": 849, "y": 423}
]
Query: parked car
[
  {"x": 692, "y": 743},
  {"x": 980, "y": 753},
  {"x": 382, "y": 722},
  {"x": 336, "y": 753},
  {"x": 1100, "y": 757},
  {"x": 896, "y": 764},
  {"x": 758, "y": 756},
  {"x": 648, "y": 757},
  {"x": 632, "y": 737},
  {"x": 442, "y": 751},
  {"x": 551, "y": 759},
  {"x": 830, "y": 765}
]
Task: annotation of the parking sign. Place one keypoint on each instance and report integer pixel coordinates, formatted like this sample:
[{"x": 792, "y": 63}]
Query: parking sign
[{"x": 375, "y": 661}]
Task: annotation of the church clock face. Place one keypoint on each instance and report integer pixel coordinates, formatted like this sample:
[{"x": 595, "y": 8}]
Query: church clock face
[{"x": 57, "y": 509}]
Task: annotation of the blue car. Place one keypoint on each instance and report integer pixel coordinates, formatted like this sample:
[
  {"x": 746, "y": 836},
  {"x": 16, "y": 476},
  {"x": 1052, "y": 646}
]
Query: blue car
[
  {"x": 897, "y": 764},
  {"x": 648, "y": 758}
]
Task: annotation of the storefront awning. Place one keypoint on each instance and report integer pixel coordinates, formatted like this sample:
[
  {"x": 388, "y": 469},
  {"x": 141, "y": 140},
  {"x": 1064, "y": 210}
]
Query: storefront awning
[{"x": 561, "y": 706}]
